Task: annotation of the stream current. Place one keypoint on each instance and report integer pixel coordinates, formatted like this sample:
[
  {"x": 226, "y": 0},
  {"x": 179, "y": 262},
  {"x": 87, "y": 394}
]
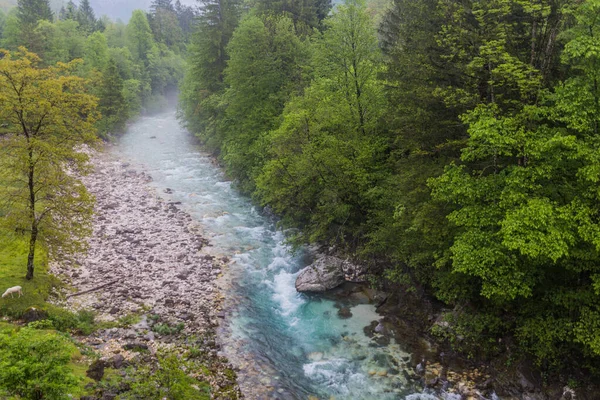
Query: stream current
[{"x": 287, "y": 345}]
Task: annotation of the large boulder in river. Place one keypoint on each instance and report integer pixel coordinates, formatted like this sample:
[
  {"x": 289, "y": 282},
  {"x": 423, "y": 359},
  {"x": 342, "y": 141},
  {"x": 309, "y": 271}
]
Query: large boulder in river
[{"x": 324, "y": 274}]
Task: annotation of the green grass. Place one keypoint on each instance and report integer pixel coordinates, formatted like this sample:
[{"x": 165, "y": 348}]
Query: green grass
[{"x": 13, "y": 266}]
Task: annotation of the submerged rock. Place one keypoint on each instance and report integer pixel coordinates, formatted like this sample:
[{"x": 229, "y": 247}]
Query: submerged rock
[
  {"x": 344, "y": 313},
  {"x": 324, "y": 274}
]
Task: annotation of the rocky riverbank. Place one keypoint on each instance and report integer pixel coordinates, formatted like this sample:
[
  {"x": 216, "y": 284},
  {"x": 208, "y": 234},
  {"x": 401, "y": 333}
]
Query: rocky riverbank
[{"x": 145, "y": 276}]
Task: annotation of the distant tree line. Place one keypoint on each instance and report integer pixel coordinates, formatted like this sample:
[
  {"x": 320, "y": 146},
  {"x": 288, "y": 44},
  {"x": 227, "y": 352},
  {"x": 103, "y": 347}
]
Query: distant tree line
[{"x": 129, "y": 67}]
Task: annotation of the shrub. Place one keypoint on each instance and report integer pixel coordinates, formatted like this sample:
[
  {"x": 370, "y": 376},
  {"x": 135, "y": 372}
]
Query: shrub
[
  {"x": 166, "y": 329},
  {"x": 34, "y": 364},
  {"x": 41, "y": 324}
]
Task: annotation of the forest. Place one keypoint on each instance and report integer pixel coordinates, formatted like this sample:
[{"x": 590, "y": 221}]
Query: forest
[{"x": 451, "y": 146}]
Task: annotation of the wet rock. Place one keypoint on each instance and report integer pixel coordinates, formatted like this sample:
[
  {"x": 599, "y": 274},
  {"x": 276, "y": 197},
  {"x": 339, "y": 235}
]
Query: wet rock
[
  {"x": 354, "y": 272},
  {"x": 525, "y": 384},
  {"x": 324, "y": 274},
  {"x": 96, "y": 370}
]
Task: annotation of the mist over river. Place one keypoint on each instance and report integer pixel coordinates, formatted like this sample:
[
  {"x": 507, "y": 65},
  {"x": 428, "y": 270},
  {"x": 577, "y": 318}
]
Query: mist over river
[{"x": 286, "y": 345}]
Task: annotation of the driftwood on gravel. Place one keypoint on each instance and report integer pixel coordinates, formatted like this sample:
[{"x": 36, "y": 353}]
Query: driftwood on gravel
[{"x": 93, "y": 289}]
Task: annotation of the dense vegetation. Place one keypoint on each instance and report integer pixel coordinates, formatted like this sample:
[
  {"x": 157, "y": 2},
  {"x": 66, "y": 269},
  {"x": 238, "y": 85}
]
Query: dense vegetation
[
  {"x": 65, "y": 79},
  {"x": 452, "y": 147}
]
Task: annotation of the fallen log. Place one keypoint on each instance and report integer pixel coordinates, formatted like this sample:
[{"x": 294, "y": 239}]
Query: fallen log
[{"x": 93, "y": 289}]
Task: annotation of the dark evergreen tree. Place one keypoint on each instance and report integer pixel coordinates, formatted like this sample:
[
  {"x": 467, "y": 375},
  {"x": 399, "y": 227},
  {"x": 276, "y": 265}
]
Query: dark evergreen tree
[
  {"x": 165, "y": 24},
  {"x": 306, "y": 14},
  {"x": 70, "y": 11},
  {"x": 29, "y": 12},
  {"x": 186, "y": 16},
  {"x": 162, "y": 4},
  {"x": 112, "y": 104},
  {"x": 86, "y": 17},
  {"x": 207, "y": 60}
]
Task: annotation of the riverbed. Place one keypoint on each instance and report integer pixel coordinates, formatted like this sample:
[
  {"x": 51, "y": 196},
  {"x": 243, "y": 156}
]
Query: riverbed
[{"x": 285, "y": 345}]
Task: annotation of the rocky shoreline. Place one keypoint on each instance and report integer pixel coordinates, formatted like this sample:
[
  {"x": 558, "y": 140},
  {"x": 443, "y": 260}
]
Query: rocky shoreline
[{"x": 145, "y": 276}]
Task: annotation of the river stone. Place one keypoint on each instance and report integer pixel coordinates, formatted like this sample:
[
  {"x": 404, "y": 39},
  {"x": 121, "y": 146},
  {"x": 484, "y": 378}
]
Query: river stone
[
  {"x": 33, "y": 314},
  {"x": 96, "y": 370},
  {"x": 344, "y": 313},
  {"x": 324, "y": 274}
]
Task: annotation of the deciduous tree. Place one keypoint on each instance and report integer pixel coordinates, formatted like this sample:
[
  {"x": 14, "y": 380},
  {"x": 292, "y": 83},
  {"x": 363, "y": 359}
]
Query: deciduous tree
[{"x": 50, "y": 117}]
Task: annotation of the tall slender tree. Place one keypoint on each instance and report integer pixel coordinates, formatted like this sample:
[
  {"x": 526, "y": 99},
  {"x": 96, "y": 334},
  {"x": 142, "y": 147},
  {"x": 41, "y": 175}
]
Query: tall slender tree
[
  {"x": 29, "y": 12},
  {"x": 112, "y": 103},
  {"x": 86, "y": 17}
]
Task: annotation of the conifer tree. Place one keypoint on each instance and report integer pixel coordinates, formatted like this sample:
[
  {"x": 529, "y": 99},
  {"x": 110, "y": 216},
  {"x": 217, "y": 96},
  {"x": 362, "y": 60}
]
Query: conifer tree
[
  {"x": 162, "y": 4},
  {"x": 112, "y": 103},
  {"x": 70, "y": 11},
  {"x": 30, "y": 12},
  {"x": 86, "y": 17}
]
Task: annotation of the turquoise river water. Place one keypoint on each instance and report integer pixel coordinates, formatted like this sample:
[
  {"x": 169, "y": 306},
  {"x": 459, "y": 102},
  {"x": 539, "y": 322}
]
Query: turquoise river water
[{"x": 286, "y": 345}]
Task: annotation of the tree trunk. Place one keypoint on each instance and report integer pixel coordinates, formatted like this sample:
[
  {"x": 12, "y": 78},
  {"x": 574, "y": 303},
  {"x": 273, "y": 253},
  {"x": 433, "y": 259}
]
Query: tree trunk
[
  {"x": 34, "y": 222},
  {"x": 31, "y": 256}
]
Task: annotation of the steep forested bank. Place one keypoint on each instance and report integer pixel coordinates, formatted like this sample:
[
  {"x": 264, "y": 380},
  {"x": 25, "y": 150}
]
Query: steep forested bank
[{"x": 452, "y": 147}]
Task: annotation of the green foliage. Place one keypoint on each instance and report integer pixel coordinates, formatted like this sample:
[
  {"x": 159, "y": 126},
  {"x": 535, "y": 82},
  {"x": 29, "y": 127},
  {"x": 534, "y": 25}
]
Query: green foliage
[
  {"x": 168, "y": 381},
  {"x": 139, "y": 37},
  {"x": 476, "y": 334},
  {"x": 52, "y": 115},
  {"x": 112, "y": 103},
  {"x": 43, "y": 324},
  {"x": 96, "y": 52},
  {"x": 323, "y": 156},
  {"x": 165, "y": 329},
  {"x": 461, "y": 162},
  {"x": 34, "y": 364},
  {"x": 203, "y": 82},
  {"x": 264, "y": 70}
]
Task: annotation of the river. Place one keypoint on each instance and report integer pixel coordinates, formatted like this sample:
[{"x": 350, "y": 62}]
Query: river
[{"x": 286, "y": 345}]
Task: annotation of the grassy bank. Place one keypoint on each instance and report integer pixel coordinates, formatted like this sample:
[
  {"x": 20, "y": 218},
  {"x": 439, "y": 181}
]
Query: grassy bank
[
  {"x": 35, "y": 358},
  {"x": 13, "y": 261}
]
